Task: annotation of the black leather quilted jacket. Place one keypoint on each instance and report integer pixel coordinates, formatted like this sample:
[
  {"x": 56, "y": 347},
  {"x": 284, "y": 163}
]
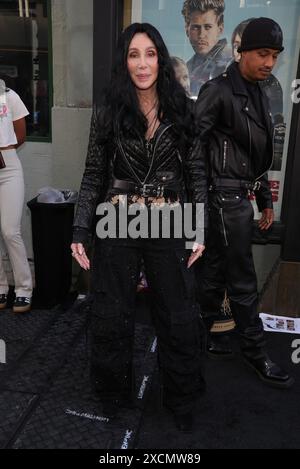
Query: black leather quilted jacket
[{"x": 131, "y": 159}]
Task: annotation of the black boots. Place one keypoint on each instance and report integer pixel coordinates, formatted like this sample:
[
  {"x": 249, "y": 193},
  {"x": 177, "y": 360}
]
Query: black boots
[
  {"x": 183, "y": 419},
  {"x": 269, "y": 372},
  {"x": 219, "y": 347}
]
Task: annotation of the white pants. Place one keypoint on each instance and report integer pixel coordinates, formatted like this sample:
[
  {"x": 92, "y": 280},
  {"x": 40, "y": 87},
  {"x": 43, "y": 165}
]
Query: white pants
[{"x": 11, "y": 207}]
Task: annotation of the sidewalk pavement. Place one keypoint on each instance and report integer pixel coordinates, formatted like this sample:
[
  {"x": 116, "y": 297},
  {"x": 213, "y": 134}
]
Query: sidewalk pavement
[{"x": 46, "y": 401}]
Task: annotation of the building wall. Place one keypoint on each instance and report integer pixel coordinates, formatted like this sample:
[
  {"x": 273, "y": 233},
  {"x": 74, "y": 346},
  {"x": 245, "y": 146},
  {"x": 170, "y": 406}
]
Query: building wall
[
  {"x": 265, "y": 256},
  {"x": 72, "y": 81},
  {"x": 60, "y": 163}
]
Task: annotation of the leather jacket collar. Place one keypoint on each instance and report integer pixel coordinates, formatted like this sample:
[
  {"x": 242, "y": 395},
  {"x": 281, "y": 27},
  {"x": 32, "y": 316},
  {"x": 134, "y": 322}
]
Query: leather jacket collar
[{"x": 239, "y": 88}]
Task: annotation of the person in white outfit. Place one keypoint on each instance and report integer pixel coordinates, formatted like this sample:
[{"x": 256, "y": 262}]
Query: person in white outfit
[{"x": 12, "y": 135}]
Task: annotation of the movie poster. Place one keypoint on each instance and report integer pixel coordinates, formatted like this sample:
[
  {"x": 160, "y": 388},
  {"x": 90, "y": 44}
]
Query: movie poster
[{"x": 199, "y": 56}]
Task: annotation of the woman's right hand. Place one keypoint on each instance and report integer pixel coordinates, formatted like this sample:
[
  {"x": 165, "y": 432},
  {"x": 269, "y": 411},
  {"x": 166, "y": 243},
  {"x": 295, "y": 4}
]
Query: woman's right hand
[{"x": 79, "y": 254}]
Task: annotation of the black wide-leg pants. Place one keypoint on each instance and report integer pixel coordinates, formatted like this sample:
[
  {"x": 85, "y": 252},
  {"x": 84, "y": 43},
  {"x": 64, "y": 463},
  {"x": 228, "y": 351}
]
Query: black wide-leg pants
[
  {"x": 227, "y": 264},
  {"x": 176, "y": 318}
]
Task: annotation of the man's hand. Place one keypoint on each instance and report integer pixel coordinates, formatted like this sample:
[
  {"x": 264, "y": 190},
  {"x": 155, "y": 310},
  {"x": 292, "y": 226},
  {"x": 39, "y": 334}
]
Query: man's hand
[{"x": 267, "y": 219}]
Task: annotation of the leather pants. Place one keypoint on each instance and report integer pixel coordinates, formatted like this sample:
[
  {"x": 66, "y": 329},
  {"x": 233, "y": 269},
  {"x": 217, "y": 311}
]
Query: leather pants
[{"x": 227, "y": 264}]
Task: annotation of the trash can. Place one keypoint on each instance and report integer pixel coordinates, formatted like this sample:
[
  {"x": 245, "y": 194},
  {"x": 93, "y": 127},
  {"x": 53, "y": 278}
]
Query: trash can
[{"x": 51, "y": 237}]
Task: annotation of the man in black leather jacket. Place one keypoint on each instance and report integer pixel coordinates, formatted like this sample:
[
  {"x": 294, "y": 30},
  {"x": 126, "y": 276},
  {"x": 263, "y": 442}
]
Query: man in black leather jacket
[{"x": 236, "y": 128}]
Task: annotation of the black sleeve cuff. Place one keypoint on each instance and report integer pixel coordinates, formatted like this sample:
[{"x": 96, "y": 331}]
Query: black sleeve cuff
[{"x": 80, "y": 235}]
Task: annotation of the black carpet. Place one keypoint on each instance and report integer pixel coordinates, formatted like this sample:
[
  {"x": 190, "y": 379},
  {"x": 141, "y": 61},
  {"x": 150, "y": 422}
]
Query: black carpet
[{"x": 238, "y": 411}]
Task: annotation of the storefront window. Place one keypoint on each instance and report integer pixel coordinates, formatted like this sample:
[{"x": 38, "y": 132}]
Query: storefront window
[
  {"x": 219, "y": 48},
  {"x": 24, "y": 59}
]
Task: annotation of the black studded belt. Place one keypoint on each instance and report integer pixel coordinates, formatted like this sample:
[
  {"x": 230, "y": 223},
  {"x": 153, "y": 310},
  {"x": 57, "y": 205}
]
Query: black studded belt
[{"x": 147, "y": 190}]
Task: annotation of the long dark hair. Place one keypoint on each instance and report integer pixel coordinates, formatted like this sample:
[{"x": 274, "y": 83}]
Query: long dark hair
[{"x": 120, "y": 98}]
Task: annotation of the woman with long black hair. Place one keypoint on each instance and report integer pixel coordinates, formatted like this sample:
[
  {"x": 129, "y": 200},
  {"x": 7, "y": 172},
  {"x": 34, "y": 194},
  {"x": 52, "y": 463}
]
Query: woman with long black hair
[{"x": 142, "y": 150}]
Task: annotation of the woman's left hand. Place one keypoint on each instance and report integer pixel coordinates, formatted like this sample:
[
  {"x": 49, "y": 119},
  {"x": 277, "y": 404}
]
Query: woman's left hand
[{"x": 197, "y": 252}]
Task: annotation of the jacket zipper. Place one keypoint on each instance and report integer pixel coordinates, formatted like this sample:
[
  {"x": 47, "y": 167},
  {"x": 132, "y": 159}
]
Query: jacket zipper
[
  {"x": 148, "y": 154},
  {"x": 154, "y": 150},
  {"x": 250, "y": 137},
  {"x": 223, "y": 225},
  {"x": 179, "y": 156},
  {"x": 148, "y": 146},
  {"x": 181, "y": 165},
  {"x": 225, "y": 146}
]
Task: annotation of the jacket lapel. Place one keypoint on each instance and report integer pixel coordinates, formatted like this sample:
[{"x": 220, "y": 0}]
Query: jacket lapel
[
  {"x": 267, "y": 112},
  {"x": 247, "y": 107}
]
